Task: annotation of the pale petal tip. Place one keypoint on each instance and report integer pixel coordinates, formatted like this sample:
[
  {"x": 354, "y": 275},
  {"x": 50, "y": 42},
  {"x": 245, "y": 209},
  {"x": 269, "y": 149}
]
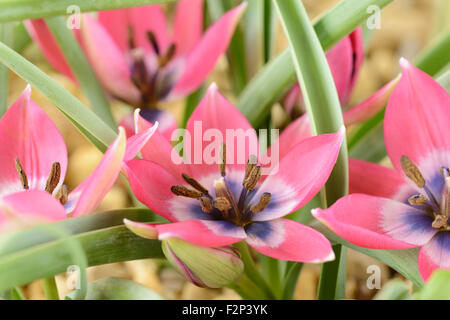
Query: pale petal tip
[
  {"x": 136, "y": 116},
  {"x": 404, "y": 63},
  {"x": 213, "y": 87},
  {"x": 138, "y": 228}
]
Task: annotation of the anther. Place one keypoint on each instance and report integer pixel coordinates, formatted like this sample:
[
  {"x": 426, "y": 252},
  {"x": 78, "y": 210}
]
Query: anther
[
  {"x": 439, "y": 222},
  {"x": 445, "y": 198},
  {"x": 62, "y": 195},
  {"x": 253, "y": 178},
  {"x": 22, "y": 174},
  {"x": 262, "y": 203},
  {"x": 53, "y": 178},
  {"x": 251, "y": 163},
  {"x": 417, "y": 200},
  {"x": 163, "y": 60},
  {"x": 222, "y": 204},
  {"x": 206, "y": 204},
  {"x": 194, "y": 183},
  {"x": 223, "y": 160},
  {"x": 130, "y": 37},
  {"x": 152, "y": 39},
  {"x": 411, "y": 171},
  {"x": 185, "y": 192}
]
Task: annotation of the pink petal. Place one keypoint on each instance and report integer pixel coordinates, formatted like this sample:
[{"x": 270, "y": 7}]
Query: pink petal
[
  {"x": 136, "y": 142},
  {"x": 289, "y": 240},
  {"x": 167, "y": 122},
  {"x": 416, "y": 121},
  {"x": 28, "y": 134},
  {"x": 202, "y": 233},
  {"x": 301, "y": 174},
  {"x": 204, "y": 56},
  {"x": 43, "y": 37},
  {"x": 373, "y": 179},
  {"x": 377, "y": 223},
  {"x": 435, "y": 255},
  {"x": 370, "y": 107},
  {"x": 116, "y": 23},
  {"x": 357, "y": 41},
  {"x": 107, "y": 60},
  {"x": 28, "y": 208},
  {"x": 290, "y": 99},
  {"x": 88, "y": 195},
  {"x": 216, "y": 115},
  {"x": 188, "y": 25}
]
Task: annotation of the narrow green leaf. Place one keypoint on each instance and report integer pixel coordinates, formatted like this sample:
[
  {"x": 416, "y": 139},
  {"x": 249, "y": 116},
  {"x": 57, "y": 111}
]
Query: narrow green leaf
[
  {"x": 11, "y": 10},
  {"x": 435, "y": 56},
  {"x": 437, "y": 288},
  {"x": 270, "y": 29},
  {"x": 6, "y": 32},
  {"x": 291, "y": 279},
  {"x": 21, "y": 38},
  {"x": 333, "y": 276},
  {"x": 93, "y": 126},
  {"x": 50, "y": 288},
  {"x": 81, "y": 68},
  {"x": 254, "y": 36},
  {"x": 444, "y": 80}
]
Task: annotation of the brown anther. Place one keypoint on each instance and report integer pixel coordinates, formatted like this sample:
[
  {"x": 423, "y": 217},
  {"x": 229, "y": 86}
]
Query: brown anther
[
  {"x": 412, "y": 172},
  {"x": 253, "y": 178},
  {"x": 130, "y": 37},
  {"x": 194, "y": 183},
  {"x": 185, "y": 192},
  {"x": 152, "y": 39},
  {"x": 22, "y": 174},
  {"x": 163, "y": 60},
  {"x": 251, "y": 163},
  {"x": 417, "y": 200},
  {"x": 262, "y": 203},
  {"x": 206, "y": 204},
  {"x": 440, "y": 222},
  {"x": 222, "y": 204},
  {"x": 223, "y": 160},
  {"x": 62, "y": 195},
  {"x": 53, "y": 178}
]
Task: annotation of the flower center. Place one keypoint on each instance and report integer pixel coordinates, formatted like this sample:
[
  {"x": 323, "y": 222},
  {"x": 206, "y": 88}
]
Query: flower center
[
  {"x": 224, "y": 206},
  {"x": 154, "y": 84},
  {"x": 51, "y": 184},
  {"x": 437, "y": 210}
]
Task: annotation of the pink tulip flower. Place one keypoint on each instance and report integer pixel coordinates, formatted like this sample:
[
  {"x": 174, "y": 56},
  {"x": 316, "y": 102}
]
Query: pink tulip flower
[
  {"x": 407, "y": 206},
  {"x": 220, "y": 203},
  {"x": 33, "y": 158},
  {"x": 140, "y": 59}
]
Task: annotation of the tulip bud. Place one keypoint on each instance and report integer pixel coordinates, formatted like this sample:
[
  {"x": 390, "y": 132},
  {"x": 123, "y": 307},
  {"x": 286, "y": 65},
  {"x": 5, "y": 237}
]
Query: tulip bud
[{"x": 204, "y": 266}]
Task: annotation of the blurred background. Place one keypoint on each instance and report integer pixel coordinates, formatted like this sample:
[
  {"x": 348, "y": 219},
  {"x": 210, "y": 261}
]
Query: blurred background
[{"x": 407, "y": 26}]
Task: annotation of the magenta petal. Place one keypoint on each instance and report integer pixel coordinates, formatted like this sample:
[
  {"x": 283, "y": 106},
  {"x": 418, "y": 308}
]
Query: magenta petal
[
  {"x": 377, "y": 223},
  {"x": 88, "y": 195},
  {"x": 204, "y": 56},
  {"x": 289, "y": 240},
  {"x": 435, "y": 255},
  {"x": 373, "y": 179},
  {"x": 188, "y": 25},
  {"x": 136, "y": 142},
  {"x": 43, "y": 37},
  {"x": 28, "y": 134},
  {"x": 416, "y": 121},
  {"x": 107, "y": 60},
  {"x": 116, "y": 23},
  {"x": 301, "y": 174}
]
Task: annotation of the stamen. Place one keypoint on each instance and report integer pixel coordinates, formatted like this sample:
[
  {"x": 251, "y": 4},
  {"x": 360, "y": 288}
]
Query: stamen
[
  {"x": 251, "y": 163},
  {"x": 53, "y": 178},
  {"x": 445, "y": 172},
  {"x": 222, "y": 204},
  {"x": 185, "y": 192},
  {"x": 206, "y": 204},
  {"x": 417, "y": 200},
  {"x": 440, "y": 221},
  {"x": 130, "y": 37},
  {"x": 262, "y": 203},
  {"x": 163, "y": 60},
  {"x": 194, "y": 183},
  {"x": 445, "y": 198},
  {"x": 22, "y": 174},
  {"x": 223, "y": 190},
  {"x": 152, "y": 38},
  {"x": 62, "y": 195},
  {"x": 223, "y": 160},
  {"x": 412, "y": 172},
  {"x": 253, "y": 178}
]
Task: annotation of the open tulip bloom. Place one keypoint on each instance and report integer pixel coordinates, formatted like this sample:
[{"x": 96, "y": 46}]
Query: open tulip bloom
[
  {"x": 220, "y": 203},
  {"x": 407, "y": 206},
  {"x": 137, "y": 57},
  {"x": 33, "y": 158}
]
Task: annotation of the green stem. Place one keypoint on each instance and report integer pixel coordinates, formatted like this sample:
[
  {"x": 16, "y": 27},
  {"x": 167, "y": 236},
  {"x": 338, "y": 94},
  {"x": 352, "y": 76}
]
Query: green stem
[
  {"x": 6, "y": 31},
  {"x": 333, "y": 276},
  {"x": 50, "y": 288},
  {"x": 291, "y": 279},
  {"x": 12, "y": 10},
  {"x": 17, "y": 294},
  {"x": 272, "y": 271},
  {"x": 81, "y": 68}
]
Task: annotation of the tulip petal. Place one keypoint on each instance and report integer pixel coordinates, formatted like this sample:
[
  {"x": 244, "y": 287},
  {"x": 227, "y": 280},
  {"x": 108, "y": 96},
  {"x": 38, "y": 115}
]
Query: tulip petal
[
  {"x": 188, "y": 25},
  {"x": 435, "y": 255},
  {"x": 136, "y": 142},
  {"x": 143, "y": 230},
  {"x": 373, "y": 179},
  {"x": 377, "y": 223},
  {"x": 116, "y": 22},
  {"x": 204, "y": 56},
  {"x": 289, "y": 240},
  {"x": 301, "y": 174},
  {"x": 43, "y": 37},
  {"x": 28, "y": 134},
  {"x": 107, "y": 60},
  {"x": 416, "y": 121},
  {"x": 167, "y": 122},
  {"x": 88, "y": 195},
  {"x": 225, "y": 123}
]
